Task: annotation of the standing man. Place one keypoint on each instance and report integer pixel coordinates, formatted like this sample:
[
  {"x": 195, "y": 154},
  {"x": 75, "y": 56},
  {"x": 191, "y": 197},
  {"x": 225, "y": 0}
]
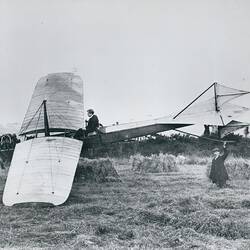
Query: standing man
[
  {"x": 92, "y": 123},
  {"x": 218, "y": 173}
]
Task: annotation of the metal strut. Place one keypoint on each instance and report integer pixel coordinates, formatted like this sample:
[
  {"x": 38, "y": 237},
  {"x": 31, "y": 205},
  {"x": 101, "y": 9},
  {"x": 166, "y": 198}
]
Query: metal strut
[
  {"x": 46, "y": 121},
  {"x": 217, "y": 109},
  {"x": 204, "y": 137},
  {"x": 215, "y": 98},
  {"x": 194, "y": 100}
]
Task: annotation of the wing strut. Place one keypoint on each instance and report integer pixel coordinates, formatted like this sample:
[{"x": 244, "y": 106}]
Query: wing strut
[
  {"x": 213, "y": 85},
  {"x": 215, "y": 98},
  {"x": 46, "y": 121},
  {"x": 203, "y": 137}
]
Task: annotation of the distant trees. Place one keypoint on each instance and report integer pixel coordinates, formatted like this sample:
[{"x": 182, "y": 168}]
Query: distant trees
[{"x": 174, "y": 144}]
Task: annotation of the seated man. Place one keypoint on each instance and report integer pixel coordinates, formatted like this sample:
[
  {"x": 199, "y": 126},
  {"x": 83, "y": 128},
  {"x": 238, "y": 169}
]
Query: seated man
[{"x": 92, "y": 123}]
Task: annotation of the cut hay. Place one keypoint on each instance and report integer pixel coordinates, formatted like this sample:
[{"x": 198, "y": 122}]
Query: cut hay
[
  {"x": 96, "y": 170},
  {"x": 208, "y": 223},
  {"x": 154, "y": 163},
  {"x": 195, "y": 223}
]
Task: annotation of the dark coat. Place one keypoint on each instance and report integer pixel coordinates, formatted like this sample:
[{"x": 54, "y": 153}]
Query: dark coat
[
  {"x": 218, "y": 173},
  {"x": 93, "y": 124}
]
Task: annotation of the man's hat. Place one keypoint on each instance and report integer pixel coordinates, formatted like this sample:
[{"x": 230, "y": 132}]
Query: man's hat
[
  {"x": 90, "y": 111},
  {"x": 216, "y": 150}
]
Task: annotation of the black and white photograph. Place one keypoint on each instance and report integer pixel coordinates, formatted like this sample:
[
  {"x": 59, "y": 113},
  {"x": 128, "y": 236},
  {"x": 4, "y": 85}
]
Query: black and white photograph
[{"x": 125, "y": 124}]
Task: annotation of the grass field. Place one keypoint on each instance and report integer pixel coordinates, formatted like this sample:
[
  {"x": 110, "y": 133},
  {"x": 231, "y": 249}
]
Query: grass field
[{"x": 176, "y": 210}]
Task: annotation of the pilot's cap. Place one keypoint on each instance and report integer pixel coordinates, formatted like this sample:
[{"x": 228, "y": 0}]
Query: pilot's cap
[{"x": 91, "y": 111}]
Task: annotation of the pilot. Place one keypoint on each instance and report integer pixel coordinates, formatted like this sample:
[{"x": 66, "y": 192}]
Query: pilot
[{"x": 92, "y": 123}]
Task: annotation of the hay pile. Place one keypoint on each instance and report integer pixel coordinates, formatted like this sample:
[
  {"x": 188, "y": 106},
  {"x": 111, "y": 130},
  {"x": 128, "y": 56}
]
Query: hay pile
[
  {"x": 238, "y": 168},
  {"x": 192, "y": 160},
  {"x": 181, "y": 159},
  {"x": 96, "y": 170},
  {"x": 154, "y": 163}
]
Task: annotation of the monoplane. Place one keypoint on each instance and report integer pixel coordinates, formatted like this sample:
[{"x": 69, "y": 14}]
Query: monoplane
[{"x": 43, "y": 164}]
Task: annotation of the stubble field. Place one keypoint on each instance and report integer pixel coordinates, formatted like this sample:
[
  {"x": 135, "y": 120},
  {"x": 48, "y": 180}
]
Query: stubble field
[{"x": 171, "y": 210}]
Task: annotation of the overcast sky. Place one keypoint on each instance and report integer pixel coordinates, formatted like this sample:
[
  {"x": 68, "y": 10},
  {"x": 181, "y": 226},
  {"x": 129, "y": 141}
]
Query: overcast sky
[{"x": 138, "y": 59}]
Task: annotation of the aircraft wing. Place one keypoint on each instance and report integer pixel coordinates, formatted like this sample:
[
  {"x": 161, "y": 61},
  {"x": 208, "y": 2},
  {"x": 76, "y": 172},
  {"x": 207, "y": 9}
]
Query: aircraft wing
[
  {"x": 63, "y": 93},
  {"x": 218, "y": 111},
  {"x": 42, "y": 170},
  {"x": 122, "y": 132},
  {"x": 43, "y": 166}
]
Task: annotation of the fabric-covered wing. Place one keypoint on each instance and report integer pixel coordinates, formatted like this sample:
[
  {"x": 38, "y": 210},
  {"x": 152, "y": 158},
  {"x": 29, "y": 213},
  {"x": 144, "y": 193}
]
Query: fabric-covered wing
[
  {"x": 126, "y": 131},
  {"x": 42, "y": 170},
  {"x": 204, "y": 113},
  {"x": 225, "y": 94},
  {"x": 63, "y": 93},
  {"x": 217, "y": 110}
]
